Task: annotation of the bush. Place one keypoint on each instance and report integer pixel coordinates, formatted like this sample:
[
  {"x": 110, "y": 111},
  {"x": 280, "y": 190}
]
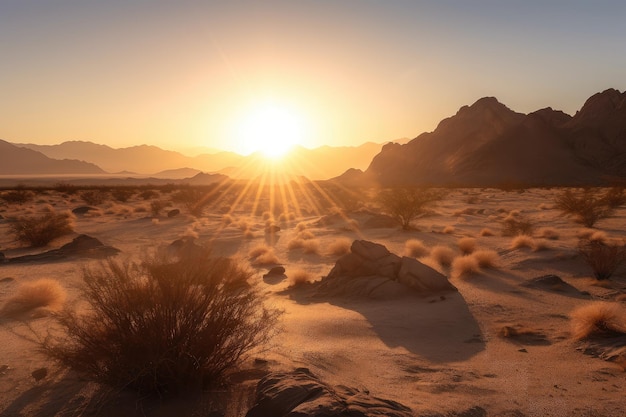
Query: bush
[
  {"x": 598, "y": 319},
  {"x": 40, "y": 230},
  {"x": 299, "y": 277},
  {"x": 515, "y": 224},
  {"x": 464, "y": 266},
  {"x": 587, "y": 205},
  {"x": 467, "y": 245},
  {"x": 122, "y": 194},
  {"x": 194, "y": 199},
  {"x": 41, "y": 293},
  {"x": 164, "y": 325},
  {"x": 443, "y": 255},
  {"x": 406, "y": 204},
  {"x": 19, "y": 195},
  {"x": 339, "y": 247},
  {"x": 415, "y": 248},
  {"x": 94, "y": 197},
  {"x": 604, "y": 259},
  {"x": 615, "y": 197},
  {"x": 148, "y": 194},
  {"x": 156, "y": 206}
]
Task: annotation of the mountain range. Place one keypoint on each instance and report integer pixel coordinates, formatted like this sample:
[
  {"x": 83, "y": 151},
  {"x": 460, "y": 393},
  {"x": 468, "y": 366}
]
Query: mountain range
[{"x": 488, "y": 144}]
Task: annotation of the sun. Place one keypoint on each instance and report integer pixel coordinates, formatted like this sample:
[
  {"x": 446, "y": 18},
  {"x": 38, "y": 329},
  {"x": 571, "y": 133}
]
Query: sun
[{"x": 271, "y": 129}]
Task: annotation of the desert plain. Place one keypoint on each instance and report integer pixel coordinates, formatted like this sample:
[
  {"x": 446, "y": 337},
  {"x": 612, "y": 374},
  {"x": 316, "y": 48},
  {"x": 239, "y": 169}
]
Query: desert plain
[{"x": 502, "y": 345}]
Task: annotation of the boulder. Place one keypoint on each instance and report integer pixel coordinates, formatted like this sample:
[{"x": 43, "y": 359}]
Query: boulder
[
  {"x": 82, "y": 210},
  {"x": 173, "y": 213},
  {"x": 277, "y": 270},
  {"x": 422, "y": 277},
  {"x": 301, "y": 393}
]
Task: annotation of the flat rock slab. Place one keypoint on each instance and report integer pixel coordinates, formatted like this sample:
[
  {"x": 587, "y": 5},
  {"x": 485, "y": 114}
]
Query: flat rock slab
[{"x": 83, "y": 246}]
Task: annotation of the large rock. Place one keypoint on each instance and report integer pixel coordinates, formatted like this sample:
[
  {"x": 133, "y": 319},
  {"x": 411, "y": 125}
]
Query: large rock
[
  {"x": 300, "y": 393},
  {"x": 371, "y": 271}
]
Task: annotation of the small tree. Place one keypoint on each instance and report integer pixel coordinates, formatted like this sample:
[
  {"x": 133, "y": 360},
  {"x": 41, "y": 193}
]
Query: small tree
[
  {"x": 604, "y": 259},
  {"x": 587, "y": 205},
  {"x": 163, "y": 325},
  {"x": 40, "y": 230},
  {"x": 405, "y": 204}
]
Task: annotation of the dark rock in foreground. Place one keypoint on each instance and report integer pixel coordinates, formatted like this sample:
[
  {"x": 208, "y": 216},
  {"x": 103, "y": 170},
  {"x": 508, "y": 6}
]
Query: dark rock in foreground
[
  {"x": 300, "y": 393},
  {"x": 83, "y": 246}
]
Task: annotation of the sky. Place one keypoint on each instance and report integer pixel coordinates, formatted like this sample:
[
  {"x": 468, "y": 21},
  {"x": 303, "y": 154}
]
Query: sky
[{"x": 183, "y": 74}]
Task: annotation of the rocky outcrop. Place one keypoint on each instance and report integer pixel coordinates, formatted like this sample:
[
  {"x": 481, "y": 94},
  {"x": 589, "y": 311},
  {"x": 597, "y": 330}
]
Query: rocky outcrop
[
  {"x": 300, "y": 393},
  {"x": 371, "y": 271},
  {"x": 488, "y": 144},
  {"x": 82, "y": 246}
]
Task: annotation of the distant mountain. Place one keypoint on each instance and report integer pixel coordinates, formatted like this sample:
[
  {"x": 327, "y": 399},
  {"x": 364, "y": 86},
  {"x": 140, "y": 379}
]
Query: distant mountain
[
  {"x": 488, "y": 144},
  {"x": 15, "y": 160},
  {"x": 177, "y": 173},
  {"x": 318, "y": 163}
]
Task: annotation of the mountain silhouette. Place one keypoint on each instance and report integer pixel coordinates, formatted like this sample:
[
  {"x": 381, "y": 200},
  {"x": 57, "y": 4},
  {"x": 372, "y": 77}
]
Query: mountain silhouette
[{"x": 488, "y": 144}]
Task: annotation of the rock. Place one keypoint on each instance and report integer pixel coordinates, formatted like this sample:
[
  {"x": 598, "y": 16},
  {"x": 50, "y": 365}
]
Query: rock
[
  {"x": 416, "y": 275},
  {"x": 300, "y": 393},
  {"x": 184, "y": 246},
  {"x": 82, "y": 210},
  {"x": 39, "y": 374},
  {"x": 554, "y": 283},
  {"x": 7, "y": 280},
  {"x": 272, "y": 229},
  {"x": 173, "y": 213},
  {"x": 80, "y": 246},
  {"x": 369, "y": 250},
  {"x": 277, "y": 270}
]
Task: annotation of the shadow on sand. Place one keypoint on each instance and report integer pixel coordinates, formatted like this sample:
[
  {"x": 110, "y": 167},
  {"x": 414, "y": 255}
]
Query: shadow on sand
[{"x": 439, "y": 328}]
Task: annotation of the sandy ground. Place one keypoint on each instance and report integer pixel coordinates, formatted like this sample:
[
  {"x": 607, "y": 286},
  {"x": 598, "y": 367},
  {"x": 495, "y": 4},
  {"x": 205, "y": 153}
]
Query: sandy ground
[{"x": 431, "y": 354}]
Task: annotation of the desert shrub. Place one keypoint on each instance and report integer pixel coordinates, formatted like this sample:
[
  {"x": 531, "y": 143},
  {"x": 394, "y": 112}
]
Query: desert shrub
[
  {"x": 549, "y": 233},
  {"x": 604, "y": 259},
  {"x": 148, "y": 194},
  {"x": 464, "y": 266},
  {"x": 43, "y": 293},
  {"x": 298, "y": 277},
  {"x": 415, "y": 248},
  {"x": 157, "y": 206},
  {"x": 122, "y": 194},
  {"x": 522, "y": 241},
  {"x": 467, "y": 245},
  {"x": 94, "y": 197},
  {"x": 448, "y": 230},
  {"x": 486, "y": 258},
  {"x": 516, "y": 224},
  {"x": 164, "y": 325},
  {"x": 40, "y": 230},
  {"x": 19, "y": 195},
  {"x": 339, "y": 247},
  {"x": 486, "y": 232},
  {"x": 615, "y": 197},
  {"x": 65, "y": 188},
  {"x": 443, "y": 255},
  {"x": 598, "y": 319},
  {"x": 193, "y": 199},
  {"x": 262, "y": 255},
  {"x": 587, "y": 206},
  {"x": 406, "y": 204}
]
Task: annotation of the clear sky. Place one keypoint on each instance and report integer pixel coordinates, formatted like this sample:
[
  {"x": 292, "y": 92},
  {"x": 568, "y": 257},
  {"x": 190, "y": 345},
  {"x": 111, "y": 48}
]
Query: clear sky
[{"x": 191, "y": 73}]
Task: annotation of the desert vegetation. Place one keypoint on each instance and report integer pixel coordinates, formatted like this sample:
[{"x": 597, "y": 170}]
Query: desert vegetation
[
  {"x": 163, "y": 325},
  {"x": 598, "y": 319},
  {"x": 589, "y": 205},
  {"x": 406, "y": 204},
  {"x": 603, "y": 258},
  {"x": 44, "y": 293},
  {"x": 39, "y": 230}
]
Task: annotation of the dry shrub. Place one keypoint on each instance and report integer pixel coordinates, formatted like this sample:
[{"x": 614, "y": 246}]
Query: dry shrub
[
  {"x": 522, "y": 241},
  {"x": 164, "y": 326},
  {"x": 615, "y": 197},
  {"x": 541, "y": 245},
  {"x": 599, "y": 236},
  {"x": 443, "y": 255},
  {"x": 94, "y": 197},
  {"x": 194, "y": 199},
  {"x": 301, "y": 226},
  {"x": 262, "y": 255},
  {"x": 448, "y": 230},
  {"x": 604, "y": 259},
  {"x": 415, "y": 248},
  {"x": 585, "y": 233},
  {"x": 587, "y": 206},
  {"x": 599, "y": 318},
  {"x": 549, "y": 233},
  {"x": 515, "y": 224},
  {"x": 339, "y": 247},
  {"x": 467, "y": 245},
  {"x": 227, "y": 219},
  {"x": 406, "y": 204},
  {"x": 47, "y": 293},
  {"x": 311, "y": 246},
  {"x": 294, "y": 244},
  {"x": 243, "y": 225},
  {"x": 486, "y": 232},
  {"x": 38, "y": 231},
  {"x": 464, "y": 266},
  {"x": 18, "y": 195},
  {"x": 248, "y": 234},
  {"x": 486, "y": 258},
  {"x": 299, "y": 277},
  {"x": 122, "y": 194},
  {"x": 156, "y": 206}
]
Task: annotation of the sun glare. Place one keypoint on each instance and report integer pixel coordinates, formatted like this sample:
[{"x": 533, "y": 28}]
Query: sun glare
[{"x": 271, "y": 129}]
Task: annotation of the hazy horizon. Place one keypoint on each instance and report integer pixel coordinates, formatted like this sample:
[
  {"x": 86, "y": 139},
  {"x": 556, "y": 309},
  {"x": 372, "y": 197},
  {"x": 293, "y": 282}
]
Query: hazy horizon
[{"x": 226, "y": 75}]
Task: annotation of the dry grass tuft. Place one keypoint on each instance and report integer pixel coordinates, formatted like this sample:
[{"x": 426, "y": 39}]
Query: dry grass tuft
[
  {"x": 262, "y": 255},
  {"x": 522, "y": 241},
  {"x": 40, "y": 230},
  {"x": 602, "y": 258},
  {"x": 301, "y": 226},
  {"x": 46, "y": 293},
  {"x": 486, "y": 258},
  {"x": 486, "y": 232},
  {"x": 443, "y": 255},
  {"x": 467, "y": 245},
  {"x": 599, "y": 236},
  {"x": 599, "y": 318},
  {"x": 549, "y": 233},
  {"x": 448, "y": 230},
  {"x": 415, "y": 248},
  {"x": 299, "y": 277},
  {"x": 339, "y": 247},
  {"x": 464, "y": 266}
]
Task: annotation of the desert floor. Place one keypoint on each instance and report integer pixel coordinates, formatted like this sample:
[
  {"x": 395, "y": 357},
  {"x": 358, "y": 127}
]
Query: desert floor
[{"x": 428, "y": 353}]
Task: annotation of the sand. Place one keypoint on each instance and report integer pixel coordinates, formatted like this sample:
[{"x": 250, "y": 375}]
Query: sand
[{"x": 428, "y": 353}]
